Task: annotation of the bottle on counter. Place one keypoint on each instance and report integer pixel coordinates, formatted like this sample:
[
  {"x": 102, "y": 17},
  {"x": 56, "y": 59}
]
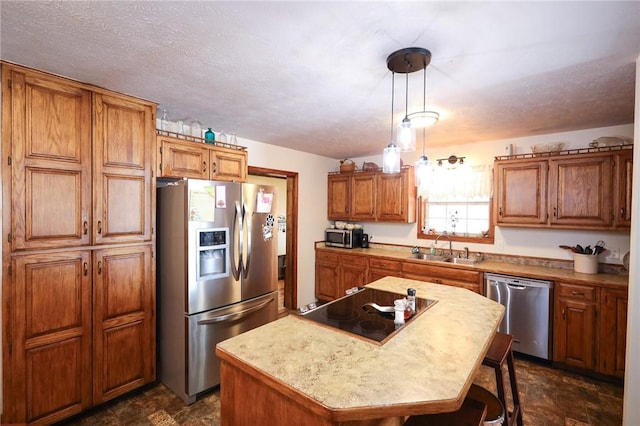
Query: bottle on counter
[
  {"x": 411, "y": 299},
  {"x": 399, "y": 306}
]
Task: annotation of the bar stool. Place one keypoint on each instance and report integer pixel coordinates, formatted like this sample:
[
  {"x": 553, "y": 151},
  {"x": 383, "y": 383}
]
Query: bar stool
[
  {"x": 480, "y": 408},
  {"x": 499, "y": 351}
]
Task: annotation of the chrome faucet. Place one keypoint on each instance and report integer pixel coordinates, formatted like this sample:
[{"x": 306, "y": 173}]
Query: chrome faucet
[
  {"x": 435, "y": 243},
  {"x": 466, "y": 252}
]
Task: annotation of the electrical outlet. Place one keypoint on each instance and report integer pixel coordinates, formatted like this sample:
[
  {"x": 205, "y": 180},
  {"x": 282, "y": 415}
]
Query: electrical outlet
[
  {"x": 499, "y": 244},
  {"x": 615, "y": 253}
]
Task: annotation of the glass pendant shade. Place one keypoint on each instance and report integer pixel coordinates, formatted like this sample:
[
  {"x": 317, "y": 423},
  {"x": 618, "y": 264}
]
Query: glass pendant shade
[
  {"x": 406, "y": 136},
  {"x": 391, "y": 159},
  {"x": 422, "y": 170}
]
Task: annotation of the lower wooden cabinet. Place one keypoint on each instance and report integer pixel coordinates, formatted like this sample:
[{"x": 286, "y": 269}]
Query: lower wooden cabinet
[
  {"x": 471, "y": 280},
  {"x": 590, "y": 328},
  {"x": 337, "y": 272},
  {"x": 380, "y": 267},
  {"x": 79, "y": 330}
]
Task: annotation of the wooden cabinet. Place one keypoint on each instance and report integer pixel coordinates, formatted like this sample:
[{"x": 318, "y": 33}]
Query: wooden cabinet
[
  {"x": 49, "y": 160},
  {"x": 623, "y": 175},
  {"x": 575, "y": 325},
  {"x": 521, "y": 192},
  {"x": 380, "y": 267},
  {"x": 123, "y": 330},
  {"x": 590, "y": 325},
  {"x": 612, "y": 331},
  {"x": 49, "y": 330},
  {"x": 337, "y": 272},
  {"x": 372, "y": 196},
  {"x": 81, "y": 189},
  {"x": 122, "y": 165},
  {"x": 573, "y": 191},
  {"x": 186, "y": 159},
  {"x": 580, "y": 190},
  {"x": 457, "y": 277}
]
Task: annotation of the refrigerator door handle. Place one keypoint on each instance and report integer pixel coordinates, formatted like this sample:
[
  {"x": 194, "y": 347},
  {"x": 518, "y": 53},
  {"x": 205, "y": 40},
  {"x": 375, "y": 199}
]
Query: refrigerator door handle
[
  {"x": 247, "y": 226},
  {"x": 235, "y": 315},
  {"x": 235, "y": 263}
]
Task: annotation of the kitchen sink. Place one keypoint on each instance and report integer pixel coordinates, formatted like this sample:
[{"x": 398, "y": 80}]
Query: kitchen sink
[
  {"x": 439, "y": 258},
  {"x": 432, "y": 257}
]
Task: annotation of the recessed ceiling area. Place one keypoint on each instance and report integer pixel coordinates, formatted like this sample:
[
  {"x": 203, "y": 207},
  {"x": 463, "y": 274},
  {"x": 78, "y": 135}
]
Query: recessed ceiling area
[{"x": 312, "y": 76}]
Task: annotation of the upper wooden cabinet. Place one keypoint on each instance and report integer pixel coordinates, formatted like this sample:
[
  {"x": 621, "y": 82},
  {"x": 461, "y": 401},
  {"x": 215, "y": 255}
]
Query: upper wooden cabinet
[
  {"x": 372, "y": 196},
  {"x": 57, "y": 199},
  {"x": 123, "y": 135},
  {"x": 181, "y": 158},
  {"x": 584, "y": 190}
]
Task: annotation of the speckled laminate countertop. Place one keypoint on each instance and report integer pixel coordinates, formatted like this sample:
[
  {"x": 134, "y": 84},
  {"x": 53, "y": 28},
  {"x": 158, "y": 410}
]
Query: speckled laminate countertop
[
  {"x": 519, "y": 269},
  {"x": 430, "y": 362}
]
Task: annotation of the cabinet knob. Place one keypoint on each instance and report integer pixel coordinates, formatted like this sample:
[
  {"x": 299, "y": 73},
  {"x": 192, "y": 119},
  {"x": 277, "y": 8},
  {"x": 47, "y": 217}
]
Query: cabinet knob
[
  {"x": 85, "y": 227},
  {"x": 100, "y": 267},
  {"x": 555, "y": 212},
  {"x": 99, "y": 227},
  {"x": 500, "y": 211},
  {"x": 622, "y": 213},
  {"x": 204, "y": 166},
  {"x": 577, "y": 293},
  {"x": 214, "y": 167},
  {"x": 563, "y": 314},
  {"x": 85, "y": 269}
]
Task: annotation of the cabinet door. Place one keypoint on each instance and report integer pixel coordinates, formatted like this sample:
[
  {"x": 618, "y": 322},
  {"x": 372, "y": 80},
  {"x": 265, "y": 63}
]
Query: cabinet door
[
  {"x": 575, "y": 325},
  {"x": 622, "y": 189},
  {"x": 123, "y": 321},
  {"x": 354, "y": 272},
  {"x": 123, "y": 141},
  {"x": 521, "y": 192},
  {"x": 363, "y": 197},
  {"x": 183, "y": 159},
  {"x": 613, "y": 331},
  {"x": 338, "y": 197},
  {"x": 50, "y": 312},
  {"x": 50, "y": 161},
  {"x": 396, "y": 196},
  {"x": 327, "y": 275},
  {"x": 580, "y": 191},
  {"x": 228, "y": 164}
]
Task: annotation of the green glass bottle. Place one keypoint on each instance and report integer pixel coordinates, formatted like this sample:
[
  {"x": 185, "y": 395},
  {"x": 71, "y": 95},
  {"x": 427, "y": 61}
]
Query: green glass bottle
[{"x": 210, "y": 137}]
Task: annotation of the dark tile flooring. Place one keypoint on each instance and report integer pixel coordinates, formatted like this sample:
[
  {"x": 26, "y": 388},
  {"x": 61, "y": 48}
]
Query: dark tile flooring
[{"x": 549, "y": 397}]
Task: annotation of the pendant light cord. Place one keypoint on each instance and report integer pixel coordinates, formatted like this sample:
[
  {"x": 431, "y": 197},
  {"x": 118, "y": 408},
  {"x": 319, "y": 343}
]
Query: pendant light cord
[
  {"x": 424, "y": 104},
  {"x": 393, "y": 84}
]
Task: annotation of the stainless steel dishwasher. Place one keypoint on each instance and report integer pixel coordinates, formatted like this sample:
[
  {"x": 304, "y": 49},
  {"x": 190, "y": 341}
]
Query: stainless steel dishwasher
[{"x": 527, "y": 311}]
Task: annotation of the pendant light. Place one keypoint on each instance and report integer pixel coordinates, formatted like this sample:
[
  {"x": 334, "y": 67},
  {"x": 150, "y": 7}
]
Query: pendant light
[
  {"x": 391, "y": 154},
  {"x": 406, "y": 132},
  {"x": 422, "y": 165}
]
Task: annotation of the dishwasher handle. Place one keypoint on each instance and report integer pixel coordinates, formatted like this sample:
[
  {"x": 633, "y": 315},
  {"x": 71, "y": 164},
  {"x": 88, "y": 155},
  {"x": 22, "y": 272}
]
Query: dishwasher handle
[
  {"x": 517, "y": 287},
  {"x": 235, "y": 315}
]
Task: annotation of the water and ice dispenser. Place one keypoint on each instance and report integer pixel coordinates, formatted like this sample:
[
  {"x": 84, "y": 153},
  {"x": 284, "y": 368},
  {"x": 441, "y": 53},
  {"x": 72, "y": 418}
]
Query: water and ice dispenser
[{"x": 213, "y": 253}]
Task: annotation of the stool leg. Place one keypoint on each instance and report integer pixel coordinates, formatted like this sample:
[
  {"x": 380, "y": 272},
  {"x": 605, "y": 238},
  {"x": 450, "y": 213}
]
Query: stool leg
[
  {"x": 500, "y": 388},
  {"x": 517, "y": 411}
]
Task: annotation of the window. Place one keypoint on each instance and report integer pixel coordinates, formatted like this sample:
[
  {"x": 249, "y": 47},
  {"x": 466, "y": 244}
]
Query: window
[{"x": 456, "y": 201}]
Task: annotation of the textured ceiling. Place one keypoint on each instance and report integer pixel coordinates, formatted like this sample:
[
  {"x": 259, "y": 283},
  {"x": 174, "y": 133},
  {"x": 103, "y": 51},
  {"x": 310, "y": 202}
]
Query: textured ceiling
[{"x": 312, "y": 75}]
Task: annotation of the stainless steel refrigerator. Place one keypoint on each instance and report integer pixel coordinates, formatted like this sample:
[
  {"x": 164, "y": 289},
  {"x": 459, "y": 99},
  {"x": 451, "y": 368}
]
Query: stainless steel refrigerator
[{"x": 216, "y": 272}]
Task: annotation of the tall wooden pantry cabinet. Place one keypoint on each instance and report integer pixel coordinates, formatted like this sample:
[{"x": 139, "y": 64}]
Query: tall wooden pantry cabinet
[{"x": 78, "y": 280}]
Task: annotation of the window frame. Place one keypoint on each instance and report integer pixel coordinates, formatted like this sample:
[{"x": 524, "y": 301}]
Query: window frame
[{"x": 421, "y": 205}]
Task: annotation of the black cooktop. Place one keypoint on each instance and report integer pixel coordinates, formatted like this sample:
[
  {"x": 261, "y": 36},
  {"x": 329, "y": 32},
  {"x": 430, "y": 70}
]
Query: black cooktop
[{"x": 347, "y": 314}]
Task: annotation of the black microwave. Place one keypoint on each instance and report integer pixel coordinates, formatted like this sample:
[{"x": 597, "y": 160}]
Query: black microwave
[{"x": 345, "y": 238}]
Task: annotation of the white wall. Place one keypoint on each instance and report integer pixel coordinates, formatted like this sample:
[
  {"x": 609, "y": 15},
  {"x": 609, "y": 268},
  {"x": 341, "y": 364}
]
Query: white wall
[
  {"x": 517, "y": 241},
  {"x": 631, "y": 412},
  {"x": 312, "y": 202}
]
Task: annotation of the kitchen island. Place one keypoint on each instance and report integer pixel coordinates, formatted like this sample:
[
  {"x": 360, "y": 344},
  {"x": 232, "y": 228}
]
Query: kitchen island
[{"x": 293, "y": 371}]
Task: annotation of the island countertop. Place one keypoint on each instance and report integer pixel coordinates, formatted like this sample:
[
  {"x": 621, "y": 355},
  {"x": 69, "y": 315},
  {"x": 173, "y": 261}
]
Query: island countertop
[{"x": 427, "y": 366}]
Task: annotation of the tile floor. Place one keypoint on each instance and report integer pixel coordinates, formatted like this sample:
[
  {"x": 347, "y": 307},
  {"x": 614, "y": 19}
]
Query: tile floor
[{"x": 549, "y": 397}]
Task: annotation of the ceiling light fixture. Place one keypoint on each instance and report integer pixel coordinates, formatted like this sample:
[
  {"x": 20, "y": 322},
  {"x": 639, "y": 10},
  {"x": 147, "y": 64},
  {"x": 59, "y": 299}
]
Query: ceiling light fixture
[{"x": 391, "y": 155}]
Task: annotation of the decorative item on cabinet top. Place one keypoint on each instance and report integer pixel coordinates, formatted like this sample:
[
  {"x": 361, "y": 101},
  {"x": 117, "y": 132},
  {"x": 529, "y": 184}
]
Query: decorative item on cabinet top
[
  {"x": 571, "y": 151},
  {"x": 160, "y": 132}
]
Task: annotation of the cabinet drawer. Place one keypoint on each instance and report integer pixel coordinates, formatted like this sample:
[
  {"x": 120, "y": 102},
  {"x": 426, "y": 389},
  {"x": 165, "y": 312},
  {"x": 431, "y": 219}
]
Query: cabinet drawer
[
  {"x": 577, "y": 292},
  {"x": 441, "y": 272},
  {"x": 326, "y": 256},
  {"x": 381, "y": 263},
  {"x": 354, "y": 260}
]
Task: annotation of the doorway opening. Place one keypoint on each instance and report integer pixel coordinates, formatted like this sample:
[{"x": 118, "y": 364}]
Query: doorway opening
[{"x": 290, "y": 265}]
